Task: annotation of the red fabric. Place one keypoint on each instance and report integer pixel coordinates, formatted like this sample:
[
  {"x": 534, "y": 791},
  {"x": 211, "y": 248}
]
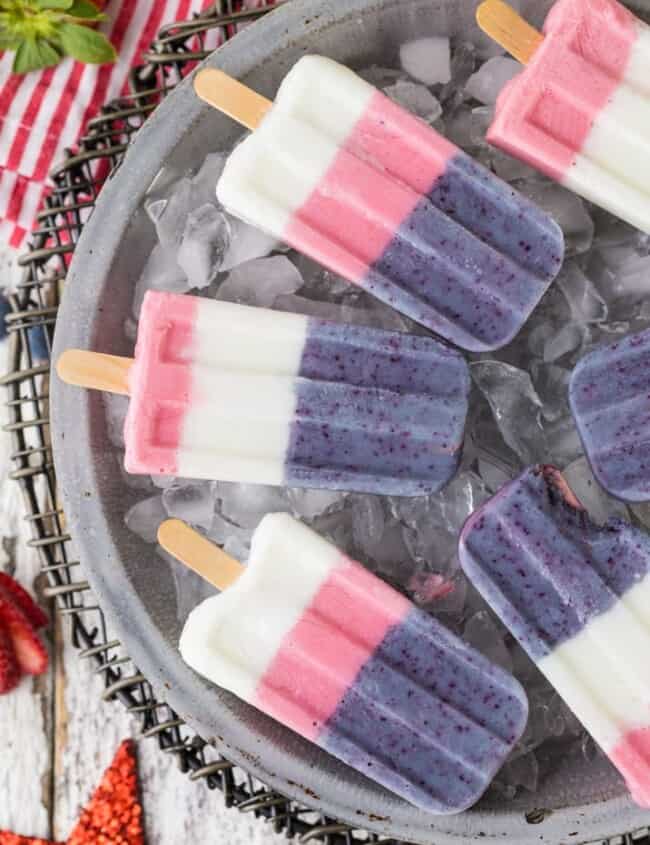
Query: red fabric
[{"x": 44, "y": 112}]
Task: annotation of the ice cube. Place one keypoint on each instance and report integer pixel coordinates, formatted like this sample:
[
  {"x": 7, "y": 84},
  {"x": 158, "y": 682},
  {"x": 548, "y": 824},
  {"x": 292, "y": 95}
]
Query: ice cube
[
  {"x": 378, "y": 539},
  {"x": 205, "y": 241},
  {"x": 246, "y": 243},
  {"x": 261, "y": 281},
  {"x": 568, "y": 210},
  {"x": 416, "y": 99},
  {"x": 516, "y": 407},
  {"x": 463, "y": 62},
  {"x": 432, "y": 523},
  {"x": 599, "y": 505},
  {"x": 115, "y": 406},
  {"x": 429, "y": 541},
  {"x": 485, "y": 85},
  {"x": 481, "y": 118},
  {"x": 170, "y": 222},
  {"x": 482, "y": 632},
  {"x": 223, "y": 531},
  {"x": 368, "y": 524},
  {"x": 308, "y": 504},
  {"x": 192, "y": 502},
  {"x": 205, "y": 181},
  {"x": 552, "y": 386},
  {"x": 460, "y": 498},
  {"x": 412, "y": 511},
  {"x": 155, "y": 208},
  {"x": 585, "y": 302},
  {"x": 484, "y": 436},
  {"x": 161, "y": 272},
  {"x": 563, "y": 441},
  {"x": 322, "y": 283},
  {"x": 569, "y": 338},
  {"x": 391, "y": 554},
  {"x": 379, "y": 316},
  {"x": 508, "y": 168},
  {"x": 145, "y": 517},
  {"x": 189, "y": 587},
  {"x": 539, "y": 333},
  {"x": 237, "y": 547},
  {"x": 621, "y": 275},
  {"x": 461, "y": 130},
  {"x": 314, "y": 308},
  {"x": 246, "y": 504},
  {"x": 493, "y": 472},
  {"x": 427, "y": 60}
]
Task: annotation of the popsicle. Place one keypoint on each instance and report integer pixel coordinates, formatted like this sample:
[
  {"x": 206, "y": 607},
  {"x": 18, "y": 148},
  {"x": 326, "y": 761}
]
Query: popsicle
[
  {"x": 577, "y": 597},
  {"x": 609, "y": 394},
  {"x": 235, "y": 393},
  {"x": 314, "y": 640},
  {"x": 580, "y": 111},
  {"x": 338, "y": 171}
]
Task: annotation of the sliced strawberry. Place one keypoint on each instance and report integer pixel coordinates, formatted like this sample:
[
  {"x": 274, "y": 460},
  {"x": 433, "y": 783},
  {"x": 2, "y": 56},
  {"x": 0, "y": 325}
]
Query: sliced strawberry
[
  {"x": 30, "y": 651},
  {"x": 9, "y": 669},
  {"x": 13, "y": 590}
]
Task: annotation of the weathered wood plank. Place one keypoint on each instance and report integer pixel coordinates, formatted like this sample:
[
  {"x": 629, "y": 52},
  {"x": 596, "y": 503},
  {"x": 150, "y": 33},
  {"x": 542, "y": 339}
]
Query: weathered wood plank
[{"x": 26, "y": 713}]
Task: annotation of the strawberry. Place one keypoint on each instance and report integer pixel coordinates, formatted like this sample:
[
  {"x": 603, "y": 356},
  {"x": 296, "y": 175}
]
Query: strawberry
[
  {"x": 9, "y": 670},
  {"x": 12, "y": 590},
  {"x": 30, "y": 651}
]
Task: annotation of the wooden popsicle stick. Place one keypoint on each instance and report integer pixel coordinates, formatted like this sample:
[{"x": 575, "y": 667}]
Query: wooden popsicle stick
[
  {"x": 502, "y": 23},
  {"x": 199, "y": 554},
  {"x": 95, "y": 370},
  {"x": 231, "y": 97}
]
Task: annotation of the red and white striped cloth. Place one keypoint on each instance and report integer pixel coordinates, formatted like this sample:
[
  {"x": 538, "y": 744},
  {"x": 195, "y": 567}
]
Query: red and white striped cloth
[{"x": 43, "y": 112}]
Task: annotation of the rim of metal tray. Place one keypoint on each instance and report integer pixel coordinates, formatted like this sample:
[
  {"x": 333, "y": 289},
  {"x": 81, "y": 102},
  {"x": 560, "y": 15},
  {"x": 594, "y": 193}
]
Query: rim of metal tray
[{"x": 76, "y": 183}]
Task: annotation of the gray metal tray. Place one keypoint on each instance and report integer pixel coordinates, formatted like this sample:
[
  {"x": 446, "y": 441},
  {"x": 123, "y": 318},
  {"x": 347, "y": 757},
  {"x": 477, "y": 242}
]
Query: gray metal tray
[{"x": 134, "y": 587}]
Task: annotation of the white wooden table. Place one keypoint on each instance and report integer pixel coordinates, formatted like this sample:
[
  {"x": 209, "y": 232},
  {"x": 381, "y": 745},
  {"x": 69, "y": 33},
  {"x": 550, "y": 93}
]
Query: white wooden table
[{"x": 57, "y": 736}]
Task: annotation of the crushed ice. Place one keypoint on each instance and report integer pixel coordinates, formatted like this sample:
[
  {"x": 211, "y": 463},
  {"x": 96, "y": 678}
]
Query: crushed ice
[
  {"x": 427, "y": 60},
  {"x": 519, "y": 412}
]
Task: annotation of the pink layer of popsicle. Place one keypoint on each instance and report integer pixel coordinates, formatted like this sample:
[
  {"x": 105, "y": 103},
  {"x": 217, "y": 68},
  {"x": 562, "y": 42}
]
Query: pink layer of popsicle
[
  {"x": 350, "y": 219},
  {"x": 159, "y": 383},
  {"x": 344, "y": 624},
  {"x": 545, "y": 114},
  {"x": 632, "y": 758}
]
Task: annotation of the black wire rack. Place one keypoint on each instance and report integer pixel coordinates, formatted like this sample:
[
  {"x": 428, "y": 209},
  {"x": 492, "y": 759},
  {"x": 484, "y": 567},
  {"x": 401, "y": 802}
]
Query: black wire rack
[{"x": 76, "y": 183}]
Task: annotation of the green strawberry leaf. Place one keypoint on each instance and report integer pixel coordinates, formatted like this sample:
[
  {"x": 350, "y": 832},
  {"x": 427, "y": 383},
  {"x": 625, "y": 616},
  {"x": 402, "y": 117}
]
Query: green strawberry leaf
[
  {"x": 9, "y": 40},
  {"x": 62, "y": 5},
  {"x": 84, "y": 9},
  {"x": 86, "y": 45},
  {"x": 35, "y": 55}
]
